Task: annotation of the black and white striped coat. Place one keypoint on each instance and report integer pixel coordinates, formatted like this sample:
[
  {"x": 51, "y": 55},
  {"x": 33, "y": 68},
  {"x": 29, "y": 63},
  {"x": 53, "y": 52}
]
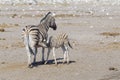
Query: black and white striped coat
[
  {"x": 59, "y": 41},
  {"x": 33, "y": 35}
]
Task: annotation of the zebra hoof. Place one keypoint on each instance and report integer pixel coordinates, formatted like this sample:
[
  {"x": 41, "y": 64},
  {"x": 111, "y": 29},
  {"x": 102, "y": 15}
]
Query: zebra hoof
[
  {"x": 45, "y": 62},
  {"x": 56, "y": 64},
  {"x": 68, "y": 63},
  {"x": 30, "y": 66},
  {"x": 63, "y": 62}
]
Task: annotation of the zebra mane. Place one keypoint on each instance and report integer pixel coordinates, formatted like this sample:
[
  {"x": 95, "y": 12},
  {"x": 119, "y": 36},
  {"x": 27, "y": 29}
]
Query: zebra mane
[{"x": 45, "y": 16}]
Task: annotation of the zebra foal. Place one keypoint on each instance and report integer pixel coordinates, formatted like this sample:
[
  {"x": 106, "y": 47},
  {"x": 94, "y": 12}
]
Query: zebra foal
[
  {"x": 33, "y": 35},
  {"x": 59, "y": 41}
]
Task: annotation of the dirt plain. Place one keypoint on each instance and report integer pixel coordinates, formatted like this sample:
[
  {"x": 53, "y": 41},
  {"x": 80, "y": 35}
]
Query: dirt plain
[{"x": 94, "y": 28}]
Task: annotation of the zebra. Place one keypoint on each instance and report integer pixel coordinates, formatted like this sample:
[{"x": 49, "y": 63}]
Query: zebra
[
  {"x": 33, "y": 35},
  {"x": 58, "y": 41}
]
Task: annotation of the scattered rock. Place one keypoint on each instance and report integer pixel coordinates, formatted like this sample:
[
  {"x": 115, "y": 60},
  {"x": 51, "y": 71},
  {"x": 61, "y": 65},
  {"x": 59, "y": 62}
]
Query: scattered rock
[
  {"x": 2, "y": 62},
  {"x": 14, "y": 15},
  {"x": 2, "y": 30},
  {"x": 113, "y": 69},
  {"x": 16, "y": 24}
]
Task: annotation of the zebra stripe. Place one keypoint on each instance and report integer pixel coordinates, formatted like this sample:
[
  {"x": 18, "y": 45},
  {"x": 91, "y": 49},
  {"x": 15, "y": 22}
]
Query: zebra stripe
[
  {"x": 33, "y": 35},
  {"x": 56, "y": 42}
]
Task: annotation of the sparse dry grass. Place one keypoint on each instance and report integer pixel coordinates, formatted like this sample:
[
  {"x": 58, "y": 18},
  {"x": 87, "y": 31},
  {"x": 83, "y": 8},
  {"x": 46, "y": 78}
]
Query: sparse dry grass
[
  {"x": 4, "y": 25},
  {"x": 113, "y": 45},
  {"x": 113, "y": 34},
  {"x": 2, "y": 39},
  {"x": 102, "y": 47},
  {"x": 39, "y": 15},
  {"x": 12, "y": 45},
  {"x": 2, "y": 29},
  {"x": 67, "y": 15},
  {"x": 18, "y": 44}
]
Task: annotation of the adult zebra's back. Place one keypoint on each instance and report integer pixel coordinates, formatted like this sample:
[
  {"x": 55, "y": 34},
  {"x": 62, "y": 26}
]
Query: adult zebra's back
[{"x": 33, "y": 35}]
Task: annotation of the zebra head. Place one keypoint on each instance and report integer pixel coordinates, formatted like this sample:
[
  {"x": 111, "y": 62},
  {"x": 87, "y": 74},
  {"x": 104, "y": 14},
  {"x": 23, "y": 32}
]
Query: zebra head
[{"x": 50, "y": 20}]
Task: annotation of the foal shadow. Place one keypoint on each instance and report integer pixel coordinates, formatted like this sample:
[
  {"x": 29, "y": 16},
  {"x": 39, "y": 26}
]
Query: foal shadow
[{"x": 50, "y": 62}]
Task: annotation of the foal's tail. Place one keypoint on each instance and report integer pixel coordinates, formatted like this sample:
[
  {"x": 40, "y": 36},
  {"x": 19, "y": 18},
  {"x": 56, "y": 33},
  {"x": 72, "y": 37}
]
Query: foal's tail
[{"x": 70, "y": 44}]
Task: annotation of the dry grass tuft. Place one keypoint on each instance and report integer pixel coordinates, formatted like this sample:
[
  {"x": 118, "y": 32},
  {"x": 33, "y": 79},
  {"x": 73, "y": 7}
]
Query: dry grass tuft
[
  {"x": 14, "y": 15},
  {"x": 2, "y": 39},
  {"x": 113, "y": 34},
  {"x": 4, "y": 25},
  {"x": 17, "y": 45},
  {"x": 14, "y": 45},
  {"x": 67, "y": 15},
  {"x": 2, "y": 30},
  {"x": 113, "y": 69},
  {"x": 16, "y": 24}
]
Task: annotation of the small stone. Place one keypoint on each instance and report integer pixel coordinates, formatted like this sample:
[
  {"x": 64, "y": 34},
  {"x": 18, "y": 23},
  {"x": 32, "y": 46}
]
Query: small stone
[
  {"x": 91, "y": 26},
  {"x": 2, "y": 62},
  {"x": 2, "y": 30},
  {"x": 14, "y": 15},
  {"x": 113, "y": 69},
  {"x": 16, "y": 24}
]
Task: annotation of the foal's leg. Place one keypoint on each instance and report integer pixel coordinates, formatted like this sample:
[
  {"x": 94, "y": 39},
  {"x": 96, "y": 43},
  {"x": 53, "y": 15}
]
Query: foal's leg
[
  {"x": 53, "y": 49},
  {"x": 67, "y": 54},
  {"x": 64, "y": 57},
  {"x": 47, "y": 56},
  {"x": 64, "y": 53}
]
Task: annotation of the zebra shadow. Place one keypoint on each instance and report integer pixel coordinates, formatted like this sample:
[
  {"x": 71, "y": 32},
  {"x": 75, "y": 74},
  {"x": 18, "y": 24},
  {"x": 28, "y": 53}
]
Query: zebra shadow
[{"x": 50, "y": 62}]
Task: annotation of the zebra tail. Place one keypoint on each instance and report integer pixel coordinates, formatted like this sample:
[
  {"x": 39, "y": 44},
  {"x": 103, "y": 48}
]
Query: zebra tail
[
  {"x": 70, "y": 45},
  {"x": 27, "y": 43}
]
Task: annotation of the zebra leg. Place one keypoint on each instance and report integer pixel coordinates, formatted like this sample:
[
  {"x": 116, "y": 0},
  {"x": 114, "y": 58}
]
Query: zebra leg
[
  {"x": 64, "y": 54},
  {"x": 43, "y": 50},
  {"x": 47, "y": 56},
  {"x": 53, "y": 49},
  {"x": 34, "y": 49},
  {"x": 67, "y": 54},
  {"x": 29, "y": 54},
  {"x": 64, "y": 57},
  {"x": 29, "y": 59}
]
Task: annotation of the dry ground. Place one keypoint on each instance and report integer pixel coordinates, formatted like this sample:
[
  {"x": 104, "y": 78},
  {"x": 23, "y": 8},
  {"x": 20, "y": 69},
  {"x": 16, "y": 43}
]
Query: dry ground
[{"x": 96, "y": 56}]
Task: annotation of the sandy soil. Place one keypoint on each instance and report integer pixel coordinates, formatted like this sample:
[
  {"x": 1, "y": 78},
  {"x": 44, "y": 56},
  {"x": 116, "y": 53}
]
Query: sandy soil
[{"x": 95, "y": 29}]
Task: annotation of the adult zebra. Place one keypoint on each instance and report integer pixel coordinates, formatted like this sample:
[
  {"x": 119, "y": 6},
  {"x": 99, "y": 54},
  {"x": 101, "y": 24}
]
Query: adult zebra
[{"x": 34, "y": 35}]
